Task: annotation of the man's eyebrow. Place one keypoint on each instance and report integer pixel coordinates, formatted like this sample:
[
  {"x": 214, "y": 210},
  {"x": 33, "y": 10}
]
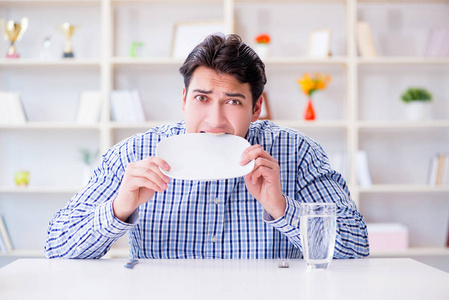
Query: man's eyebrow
[
  {"x": 235, "y": 95},
  {"x": 202, "y": 91},
  {"x": 227, "y": 94}
]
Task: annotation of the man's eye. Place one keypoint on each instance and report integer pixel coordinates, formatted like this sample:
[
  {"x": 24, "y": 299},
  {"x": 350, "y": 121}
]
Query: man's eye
[
  {"x": 234, "y": 102},
  {"x": 201, "y": 98}
]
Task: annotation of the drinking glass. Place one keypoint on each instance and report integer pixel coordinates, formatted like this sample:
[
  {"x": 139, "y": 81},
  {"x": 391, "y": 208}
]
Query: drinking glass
[{"x": 318, "y": 230}]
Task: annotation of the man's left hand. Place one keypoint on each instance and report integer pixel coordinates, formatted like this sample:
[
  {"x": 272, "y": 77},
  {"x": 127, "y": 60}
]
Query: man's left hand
[{"x": 264, "y": 181}]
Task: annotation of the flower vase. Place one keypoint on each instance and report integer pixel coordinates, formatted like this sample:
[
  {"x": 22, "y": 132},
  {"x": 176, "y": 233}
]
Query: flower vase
[
  {"x": 309, "y": 113},
  {"x": 263, "y": 50}
]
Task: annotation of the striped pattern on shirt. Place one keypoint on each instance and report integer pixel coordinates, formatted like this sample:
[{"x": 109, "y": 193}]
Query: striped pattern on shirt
[{"x": 207, "y": 219}]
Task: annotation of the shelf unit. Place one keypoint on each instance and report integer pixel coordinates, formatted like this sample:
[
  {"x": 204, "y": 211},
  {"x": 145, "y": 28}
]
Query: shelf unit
[{"x": 347, "y": 123}]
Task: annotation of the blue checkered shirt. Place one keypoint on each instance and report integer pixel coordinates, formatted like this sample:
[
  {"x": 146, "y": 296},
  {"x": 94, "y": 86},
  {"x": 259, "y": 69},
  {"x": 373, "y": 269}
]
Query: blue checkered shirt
[{"x": 207, "y": 219}]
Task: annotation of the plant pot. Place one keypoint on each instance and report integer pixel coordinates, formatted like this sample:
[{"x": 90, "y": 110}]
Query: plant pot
[
  {"x": 263, "y": 50},
  {"x": 418, "y": 110}
]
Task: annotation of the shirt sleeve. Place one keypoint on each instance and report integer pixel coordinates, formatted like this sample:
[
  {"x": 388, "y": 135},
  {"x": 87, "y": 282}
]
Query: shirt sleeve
[
  {"x": 317, "y": 182},
  {"x": 87, "y": 227}
]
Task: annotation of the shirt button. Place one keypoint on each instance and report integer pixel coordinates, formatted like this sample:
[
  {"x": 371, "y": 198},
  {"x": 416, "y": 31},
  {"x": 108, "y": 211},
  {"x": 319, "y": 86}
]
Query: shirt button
[
  {"x": 214, "y": 239},
  {"x": 217, "y": 200}
]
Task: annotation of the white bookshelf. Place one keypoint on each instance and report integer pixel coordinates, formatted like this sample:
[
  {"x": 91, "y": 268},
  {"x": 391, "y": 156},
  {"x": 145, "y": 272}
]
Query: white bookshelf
[{"x": 359, "y": 111}]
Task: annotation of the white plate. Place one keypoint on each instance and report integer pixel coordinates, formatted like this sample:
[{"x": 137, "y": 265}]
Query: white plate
[{"x": 203, "y": 156}]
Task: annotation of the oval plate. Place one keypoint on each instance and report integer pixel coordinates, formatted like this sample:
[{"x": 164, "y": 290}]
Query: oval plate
[{"x": 203, "y": 156}]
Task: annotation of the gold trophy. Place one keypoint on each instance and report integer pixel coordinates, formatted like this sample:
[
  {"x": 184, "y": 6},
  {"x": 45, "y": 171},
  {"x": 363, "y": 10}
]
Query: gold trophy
[
  {"x": 68, "y": 29},
  {"x": 14, "y": 32}
]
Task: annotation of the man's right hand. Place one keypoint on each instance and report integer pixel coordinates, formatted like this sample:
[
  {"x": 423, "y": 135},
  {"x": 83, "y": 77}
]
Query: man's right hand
[{"x": 141, "y": 180}]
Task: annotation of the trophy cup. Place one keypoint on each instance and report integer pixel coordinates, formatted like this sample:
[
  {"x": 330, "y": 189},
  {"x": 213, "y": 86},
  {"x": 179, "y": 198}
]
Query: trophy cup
[
  {"x": 13, "y": 32},
  {"x": 68, "y": 29}
]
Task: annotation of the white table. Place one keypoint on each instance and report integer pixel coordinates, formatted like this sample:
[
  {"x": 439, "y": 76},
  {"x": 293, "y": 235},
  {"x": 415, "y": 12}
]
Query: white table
[{"x": 221, "y": 279}]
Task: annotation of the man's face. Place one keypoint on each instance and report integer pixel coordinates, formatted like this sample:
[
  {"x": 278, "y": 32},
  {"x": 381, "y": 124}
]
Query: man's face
[{"x": 218, "y": 103}]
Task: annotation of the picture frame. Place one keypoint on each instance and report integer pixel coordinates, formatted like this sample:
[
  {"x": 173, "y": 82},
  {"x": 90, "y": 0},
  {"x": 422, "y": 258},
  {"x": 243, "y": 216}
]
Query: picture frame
[
  {"x": 186, "y": 35},
  {"x": 319, "y": 43},
  {"x": 265, "y": 114}
]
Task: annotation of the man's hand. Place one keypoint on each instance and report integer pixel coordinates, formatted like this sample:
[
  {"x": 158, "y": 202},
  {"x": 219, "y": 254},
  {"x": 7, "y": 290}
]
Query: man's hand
[
  {"x": 264, "y": 182},
  {"x": 141, "y": 180}
]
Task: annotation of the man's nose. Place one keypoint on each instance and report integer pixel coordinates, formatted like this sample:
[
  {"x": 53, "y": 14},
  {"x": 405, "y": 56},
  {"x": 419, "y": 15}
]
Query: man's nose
[{"x": 216, "y": 115}]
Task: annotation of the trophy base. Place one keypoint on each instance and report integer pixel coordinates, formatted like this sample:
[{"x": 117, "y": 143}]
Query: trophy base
[
  {"x": 68, "y": 55},
  {"x": 15, "y": 55}
]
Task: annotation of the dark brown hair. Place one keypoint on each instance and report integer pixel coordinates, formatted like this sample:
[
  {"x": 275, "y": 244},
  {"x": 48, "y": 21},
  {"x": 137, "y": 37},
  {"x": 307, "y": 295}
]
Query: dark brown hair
[{"x": 227, "y": 55}]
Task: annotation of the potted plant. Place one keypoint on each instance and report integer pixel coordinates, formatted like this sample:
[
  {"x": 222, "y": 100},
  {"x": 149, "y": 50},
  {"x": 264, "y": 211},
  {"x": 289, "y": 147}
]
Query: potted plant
[
  {"x": 262, "y": 47},
  {"x": 417, "y": 101},
  {"x": 88, "y": 158},
  {"x": 310, "y": 85}
]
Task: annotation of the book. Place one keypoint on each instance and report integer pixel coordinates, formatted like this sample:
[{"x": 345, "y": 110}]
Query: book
[
  {"x": 12, "y": 112},
  {"x": 438, "y": 169},
  {"x": 118, "y": 106},
  {"x": 340, "y": 163},
  {"x": 433, "y": 170},
  {"x": 437, "y": 43},
  {"x": 138, "y": 106},
  {"x": 89, "y": 107},
  {"x": 363, "y": 173},
  {"x": 5, "y": 235},
  {"x": 3, "y": 245},
  {"x": 365, "y": 42},
  {"x": 126, "y": 106}
]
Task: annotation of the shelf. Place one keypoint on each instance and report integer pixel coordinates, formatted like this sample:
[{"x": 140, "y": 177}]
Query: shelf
[
  {"x": 402, "y": 1},
  {"x": 312, "y": 124},
  {"x": 403, "y": 124},
  {"x": 404, "y": 60},
  {"x": 164, "y": 1},
  {"x": 49, "y": 2},
  {"x": 418, "y": 251},
  {"x": 30, "y": 62},
  {"x": 403, "y": 188},
  {"x": 142, "y": 61},
  {"x": 52, "y": 126},
  {"x": 289, "y": 60},
  {"x": 39, "y": 190}
]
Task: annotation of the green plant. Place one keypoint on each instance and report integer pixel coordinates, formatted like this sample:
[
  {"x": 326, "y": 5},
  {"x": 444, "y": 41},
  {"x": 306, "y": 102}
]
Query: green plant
[
  {"x": 416, "y": 94},
  {"x": 89, "y": 156}
]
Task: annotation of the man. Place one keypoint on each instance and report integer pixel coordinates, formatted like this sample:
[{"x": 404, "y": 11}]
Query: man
[{"x": 255, "y": 216}]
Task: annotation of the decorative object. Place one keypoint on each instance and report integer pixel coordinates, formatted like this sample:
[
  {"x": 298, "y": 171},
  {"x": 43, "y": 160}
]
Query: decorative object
[
  {"x": 365, "y": 41},
  {"x": 417, "y": 102},
  {"x": 14, "y": 32},
  {"x": 68, "y": 30},
  {"x": 136, "y": 49},
  {"x": 319, "y": 43},
  {"x": 309, "y": 85},
  {"x": 187, "y": 35},
  {"x": 89, "y": 158},
  {"x": 262, "y": 47},
  {"x": 22, "y": 178},
  {"x": 45, "y": 52}
]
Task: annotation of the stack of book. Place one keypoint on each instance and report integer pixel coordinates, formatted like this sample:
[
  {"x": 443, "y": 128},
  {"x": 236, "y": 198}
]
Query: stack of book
[
  {"x": 11, "y": 109},
  {"x": 127, "y": 107},
  {"x": 439, "y": 169},
  {"x": 437, "y": 44},
  {"x": 89, "y": 107},
  {"x": 5, "y": 241}
]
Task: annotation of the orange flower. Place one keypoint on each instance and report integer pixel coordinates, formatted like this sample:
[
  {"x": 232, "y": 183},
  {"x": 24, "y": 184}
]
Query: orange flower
[
  {"x": 310, "y": 85},
  {"x": 263, "y": 39}
]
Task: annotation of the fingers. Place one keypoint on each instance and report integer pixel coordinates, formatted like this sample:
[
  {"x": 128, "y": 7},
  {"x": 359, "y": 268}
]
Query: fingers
[
  {"x": 266, "y": 168},
  {"x": 147, "y": 173},
  {"x": 255, "y": 152}
]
